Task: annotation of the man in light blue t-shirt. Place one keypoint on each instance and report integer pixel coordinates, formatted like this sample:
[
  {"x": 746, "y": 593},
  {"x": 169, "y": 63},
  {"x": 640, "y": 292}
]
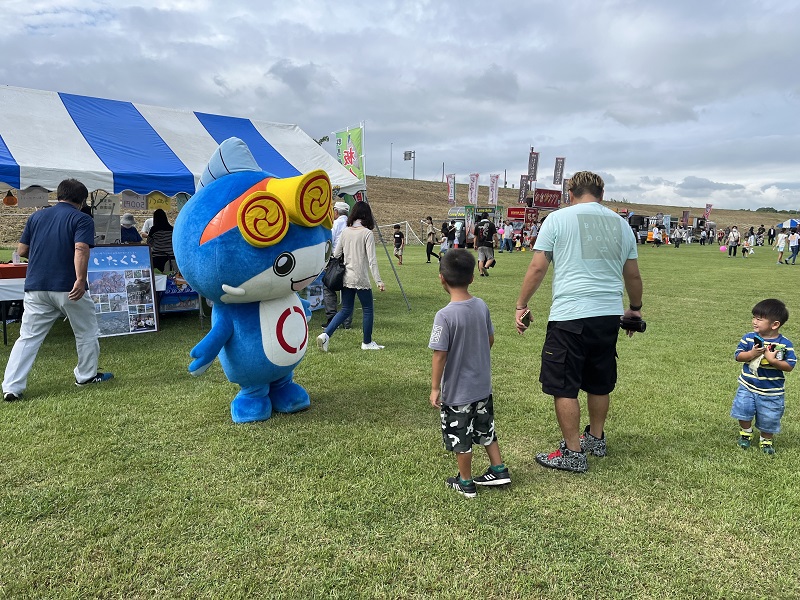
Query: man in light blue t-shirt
[{"x": 593, "y": 252}]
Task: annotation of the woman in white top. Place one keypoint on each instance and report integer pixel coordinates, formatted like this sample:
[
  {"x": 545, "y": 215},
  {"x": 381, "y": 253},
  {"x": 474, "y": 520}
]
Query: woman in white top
[
  {"x": 780, "y": 245},
  {"x": 357, "y": 243}
]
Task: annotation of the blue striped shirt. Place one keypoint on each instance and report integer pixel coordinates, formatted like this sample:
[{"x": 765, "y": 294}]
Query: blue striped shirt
[{"x": 767, "y": 380}]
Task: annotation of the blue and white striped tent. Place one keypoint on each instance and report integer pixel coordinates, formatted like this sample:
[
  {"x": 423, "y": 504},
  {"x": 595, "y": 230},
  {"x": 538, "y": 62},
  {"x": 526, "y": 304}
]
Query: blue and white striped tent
[
  {"x": 788, "y": 224},
  {"x": 46, "y": 137}
]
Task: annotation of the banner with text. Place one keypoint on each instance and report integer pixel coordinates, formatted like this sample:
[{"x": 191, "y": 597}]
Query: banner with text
[
  {"x": 707, "y": 212},
  {"x": 533, "y": 165},
  {"x": 558, "y": 172},
  {"x": 473, "y": 187},
  {"x": 350, "y": 150},
  {"x": 494, "y": 180},
  {"x": 523, "y": 188},
  {"x": 685, "y": 218},
  {"x": 451, "y": 188},
  {"x": 546, "y": 198},
  {"x": 565, "y": 191}
]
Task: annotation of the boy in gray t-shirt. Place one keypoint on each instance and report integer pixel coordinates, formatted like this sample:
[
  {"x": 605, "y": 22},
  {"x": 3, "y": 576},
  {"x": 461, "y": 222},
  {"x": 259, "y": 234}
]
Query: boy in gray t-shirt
[{"x": 461, "y": 381}]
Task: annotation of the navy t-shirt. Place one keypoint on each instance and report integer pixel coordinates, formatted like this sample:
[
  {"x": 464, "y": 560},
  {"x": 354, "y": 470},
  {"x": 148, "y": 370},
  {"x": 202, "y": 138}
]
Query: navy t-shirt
[{"x": 51, "y": 234}]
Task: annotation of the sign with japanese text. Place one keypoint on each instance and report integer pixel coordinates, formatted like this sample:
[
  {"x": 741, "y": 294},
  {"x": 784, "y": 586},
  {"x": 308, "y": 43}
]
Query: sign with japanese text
[{"x": 350, "y": 150}]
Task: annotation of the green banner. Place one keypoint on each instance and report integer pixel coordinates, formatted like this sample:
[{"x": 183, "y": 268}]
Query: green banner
[{"x": 350, "y": 150}]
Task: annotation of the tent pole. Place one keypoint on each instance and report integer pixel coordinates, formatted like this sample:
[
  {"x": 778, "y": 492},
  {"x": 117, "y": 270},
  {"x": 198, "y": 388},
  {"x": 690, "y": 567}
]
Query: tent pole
[{"x": 377, "y": 226}]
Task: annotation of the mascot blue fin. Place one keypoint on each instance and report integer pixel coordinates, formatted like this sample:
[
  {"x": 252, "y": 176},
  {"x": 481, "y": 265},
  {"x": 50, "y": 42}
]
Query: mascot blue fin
[{"x": 232, "y": 156}]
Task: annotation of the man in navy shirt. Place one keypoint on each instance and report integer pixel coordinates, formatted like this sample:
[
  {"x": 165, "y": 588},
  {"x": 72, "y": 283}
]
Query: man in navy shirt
[{"x": 56, "y": 242}]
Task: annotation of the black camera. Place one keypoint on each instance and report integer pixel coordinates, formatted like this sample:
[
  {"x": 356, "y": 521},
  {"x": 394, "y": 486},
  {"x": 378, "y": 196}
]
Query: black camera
[{"x": 633, "y": 324}]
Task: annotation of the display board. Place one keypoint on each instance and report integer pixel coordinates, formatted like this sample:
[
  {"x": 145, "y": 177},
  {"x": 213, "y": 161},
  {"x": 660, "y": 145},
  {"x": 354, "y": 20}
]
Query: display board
[{"x": 122, "y": 286}]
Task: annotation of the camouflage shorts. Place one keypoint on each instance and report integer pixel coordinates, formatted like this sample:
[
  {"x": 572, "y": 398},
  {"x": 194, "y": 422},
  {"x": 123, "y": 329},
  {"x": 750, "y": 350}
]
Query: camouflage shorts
[{"x": 463, "y": 426}]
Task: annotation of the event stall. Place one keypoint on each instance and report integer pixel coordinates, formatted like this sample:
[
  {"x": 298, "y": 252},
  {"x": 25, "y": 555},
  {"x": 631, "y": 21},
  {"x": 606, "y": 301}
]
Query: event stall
[
  {"x": 113, "y": 145},
  {"x": 117, "y": 147}
]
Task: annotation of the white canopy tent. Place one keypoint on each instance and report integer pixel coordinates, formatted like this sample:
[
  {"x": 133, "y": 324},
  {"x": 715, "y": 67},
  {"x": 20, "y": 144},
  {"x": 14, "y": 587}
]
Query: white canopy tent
[{"x": 111, "y": 145}]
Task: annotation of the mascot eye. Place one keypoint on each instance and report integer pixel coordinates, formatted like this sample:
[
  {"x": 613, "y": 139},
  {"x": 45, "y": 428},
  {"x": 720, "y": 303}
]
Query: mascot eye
[
  {"x": 284, "y": 264},
  {"x": 328, "y": 250}
]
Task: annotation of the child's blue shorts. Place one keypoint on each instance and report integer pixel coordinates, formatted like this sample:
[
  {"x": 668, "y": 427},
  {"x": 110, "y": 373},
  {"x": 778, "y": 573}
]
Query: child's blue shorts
[{"x": 767, "y": 410}]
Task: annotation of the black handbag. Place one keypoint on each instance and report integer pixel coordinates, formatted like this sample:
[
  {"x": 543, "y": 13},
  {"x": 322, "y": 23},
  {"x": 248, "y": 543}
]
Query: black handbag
[{"x": 334, "y": 274}]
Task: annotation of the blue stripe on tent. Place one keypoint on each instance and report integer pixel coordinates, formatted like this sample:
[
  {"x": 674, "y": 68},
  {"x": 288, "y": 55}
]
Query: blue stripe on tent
[
  {"x": 128, "y": 145},
  {"x": 270, "y": 160},
  {"x": 9, "y": 169}
]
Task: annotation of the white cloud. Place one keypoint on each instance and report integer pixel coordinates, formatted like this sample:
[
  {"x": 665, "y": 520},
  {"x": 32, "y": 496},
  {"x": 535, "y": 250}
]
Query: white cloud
[{"x": 656, "y": 96}]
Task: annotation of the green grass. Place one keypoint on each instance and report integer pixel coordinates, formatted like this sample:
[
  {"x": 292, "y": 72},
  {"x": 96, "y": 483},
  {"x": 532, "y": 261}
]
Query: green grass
[{"x": 143, "y": 487}]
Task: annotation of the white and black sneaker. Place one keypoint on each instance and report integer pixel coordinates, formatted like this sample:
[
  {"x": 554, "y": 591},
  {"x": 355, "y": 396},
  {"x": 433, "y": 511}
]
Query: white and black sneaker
[
  {"x": 564, "y": 459},
  {"x": 592, "y": 445},
  {"x": 466, "y": 489},
  {"x": 99, "y": 378},
  {"x": 493, "y": 477}
]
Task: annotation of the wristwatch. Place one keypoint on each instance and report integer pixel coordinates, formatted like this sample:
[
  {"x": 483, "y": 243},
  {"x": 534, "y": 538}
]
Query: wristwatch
[{"x": 636, "y": 308}]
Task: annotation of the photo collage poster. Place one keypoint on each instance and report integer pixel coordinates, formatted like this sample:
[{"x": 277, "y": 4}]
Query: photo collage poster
[{"x": 122, "y": 286}]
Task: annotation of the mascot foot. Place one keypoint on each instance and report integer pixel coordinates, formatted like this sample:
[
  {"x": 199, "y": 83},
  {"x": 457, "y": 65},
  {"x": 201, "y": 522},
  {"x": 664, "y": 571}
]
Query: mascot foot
[
  {"x": 246, "y": 409},
  {"x": 289, "y": 398}
]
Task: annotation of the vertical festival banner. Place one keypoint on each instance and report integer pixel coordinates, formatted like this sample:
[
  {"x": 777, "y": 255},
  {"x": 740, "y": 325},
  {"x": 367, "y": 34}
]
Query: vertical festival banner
[
  {"x": 523, "y": 188},
  {"x": 707, "y": 212},
  {"x": 494, "y": 181},
  {"x": 558, "y": 171},
  {"x": 473, "y": 188},
  {"x": 533, "y": 165},
  {"x": 565, "y": 191},
  {"x": 451, "y": 188},
  {"x": 685, "y": 218},
  {"x": 350, "y": 150}
]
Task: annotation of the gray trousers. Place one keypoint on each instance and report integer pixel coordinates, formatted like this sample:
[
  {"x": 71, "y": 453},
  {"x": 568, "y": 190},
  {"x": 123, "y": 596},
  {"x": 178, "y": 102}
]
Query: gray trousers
[{"x": 331, "y": 300}]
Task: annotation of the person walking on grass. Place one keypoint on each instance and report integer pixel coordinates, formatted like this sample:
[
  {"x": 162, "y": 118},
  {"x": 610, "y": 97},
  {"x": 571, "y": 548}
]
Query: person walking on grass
[
  {"x": 430, "y": 239},
  {"x": 593, "y": 253},
  {"x": 794, "y": 245},
  {"x": 357, "y": 243},
  {"x": 766, "y": 355},
  {"x": 485, "y": 237},
  {"x": 733, "y": 241},
  {"x": 330, "y": 298},
  {"x": 56, "y": 242},
  {"x": 461, "y": 376},
  {"x": 399, "y": 243},
  {"x": 780, "y": 246}
]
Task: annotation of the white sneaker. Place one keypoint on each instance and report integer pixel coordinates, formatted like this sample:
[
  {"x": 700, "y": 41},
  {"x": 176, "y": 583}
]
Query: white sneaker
[
  {"x": 371, "y": 346},
  {"x": 322, "y": 341}
]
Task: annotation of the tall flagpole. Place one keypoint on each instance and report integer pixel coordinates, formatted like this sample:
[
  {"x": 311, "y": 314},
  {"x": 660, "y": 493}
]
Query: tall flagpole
[{"x": 377, "y": 227}]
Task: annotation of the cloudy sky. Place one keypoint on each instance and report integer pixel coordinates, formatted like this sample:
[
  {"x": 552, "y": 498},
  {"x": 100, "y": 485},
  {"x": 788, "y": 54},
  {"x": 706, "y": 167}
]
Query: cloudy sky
[{"x": 680, "y": 102}]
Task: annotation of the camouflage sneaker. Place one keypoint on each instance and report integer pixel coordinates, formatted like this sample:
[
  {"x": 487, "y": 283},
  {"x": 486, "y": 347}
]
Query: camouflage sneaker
[
  {"x": 592, "y": 445},
  {"x": 468, "y": 490},
  {"x": 766, "y": 446},
  {"x": 564, "y": 459},
  {"x": 745, "y": 437}
]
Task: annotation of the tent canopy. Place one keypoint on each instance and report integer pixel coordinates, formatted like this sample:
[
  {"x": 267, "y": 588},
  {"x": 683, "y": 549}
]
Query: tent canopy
[
  {"x": 788, "y": 224},
  {"x": 46, "y": 137}
]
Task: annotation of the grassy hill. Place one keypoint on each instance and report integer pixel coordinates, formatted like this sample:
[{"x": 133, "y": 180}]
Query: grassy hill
[{"x": 396, "y": 200}]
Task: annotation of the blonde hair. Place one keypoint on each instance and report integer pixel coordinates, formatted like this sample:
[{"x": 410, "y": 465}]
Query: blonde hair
[{"x": 586, "y": 182}]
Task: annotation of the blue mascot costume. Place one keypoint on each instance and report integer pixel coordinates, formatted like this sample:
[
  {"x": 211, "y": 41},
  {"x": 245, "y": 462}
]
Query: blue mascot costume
[{"x": 249, "y": 242}]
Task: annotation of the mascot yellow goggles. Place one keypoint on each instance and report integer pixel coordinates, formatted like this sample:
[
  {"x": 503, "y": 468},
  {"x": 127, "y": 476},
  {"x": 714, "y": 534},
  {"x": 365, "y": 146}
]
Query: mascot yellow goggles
[{"x": 263, "y": 212}]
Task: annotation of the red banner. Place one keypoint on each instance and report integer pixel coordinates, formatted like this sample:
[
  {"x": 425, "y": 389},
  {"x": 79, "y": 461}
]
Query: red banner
[
  {"x": 707, "y": 213},
  {"x": 531, "y": 215},
  {"x": 515, "y": 213},
  {"x": 547, "y": 198}
]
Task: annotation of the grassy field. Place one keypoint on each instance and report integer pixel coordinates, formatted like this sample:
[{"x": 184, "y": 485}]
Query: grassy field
[{"x": 143, "y": 488}]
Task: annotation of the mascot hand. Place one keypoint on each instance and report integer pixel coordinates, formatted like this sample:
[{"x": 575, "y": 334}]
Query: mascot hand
[{"x": 196, "y": 368}]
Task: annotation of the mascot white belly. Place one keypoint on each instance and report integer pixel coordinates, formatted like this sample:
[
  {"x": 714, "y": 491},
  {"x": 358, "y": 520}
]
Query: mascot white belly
[{"x": 284, "y": 330}]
